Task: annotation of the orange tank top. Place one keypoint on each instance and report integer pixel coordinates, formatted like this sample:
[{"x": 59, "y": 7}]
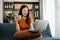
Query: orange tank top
[{"x": 23, "y": 25}]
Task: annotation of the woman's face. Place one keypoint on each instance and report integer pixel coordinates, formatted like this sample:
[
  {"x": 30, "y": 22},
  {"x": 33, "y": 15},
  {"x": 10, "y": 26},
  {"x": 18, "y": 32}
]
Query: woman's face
[{"x": 25, "y": 11}]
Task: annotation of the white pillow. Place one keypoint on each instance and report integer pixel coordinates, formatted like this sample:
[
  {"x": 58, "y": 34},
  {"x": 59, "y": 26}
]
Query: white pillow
[{"x": 40, "y": 24}]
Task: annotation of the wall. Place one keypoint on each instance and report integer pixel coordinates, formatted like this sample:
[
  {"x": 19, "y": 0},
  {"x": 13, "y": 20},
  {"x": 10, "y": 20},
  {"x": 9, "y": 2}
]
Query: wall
[
  {"x": 9, "y": 0},
  {"x": 1, "y": 11},
  {"x": 27, "y": 0},
  {"x": 57, "y": 19},
  {"x": 22, "y": 0}
]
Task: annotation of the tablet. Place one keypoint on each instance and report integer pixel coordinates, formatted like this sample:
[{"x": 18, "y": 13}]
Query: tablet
[{"x": 40, "y": 24}]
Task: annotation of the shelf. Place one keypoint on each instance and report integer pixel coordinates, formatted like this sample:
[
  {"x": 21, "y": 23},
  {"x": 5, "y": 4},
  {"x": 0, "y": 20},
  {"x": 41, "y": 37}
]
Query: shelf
[
  {"x": 8, "y": 0},
  {"x": 22, "y": 2},
  {"x": 26, "y": 2},
  {"x": 36, "y": 17},
  {"x": 8, "y": 6},
  {"x": 16, "y": 8},
  {"x": 8, "y": 9},
  {"x": 19, "y": 9}
]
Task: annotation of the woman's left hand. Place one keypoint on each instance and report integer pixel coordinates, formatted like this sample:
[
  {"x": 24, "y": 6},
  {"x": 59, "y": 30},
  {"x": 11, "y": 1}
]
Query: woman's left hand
[{"x": 39, "y": 30}]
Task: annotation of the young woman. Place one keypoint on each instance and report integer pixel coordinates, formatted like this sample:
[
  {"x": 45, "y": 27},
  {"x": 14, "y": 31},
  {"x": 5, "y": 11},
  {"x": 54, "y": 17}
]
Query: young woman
[{"x": 24, "y": 24}]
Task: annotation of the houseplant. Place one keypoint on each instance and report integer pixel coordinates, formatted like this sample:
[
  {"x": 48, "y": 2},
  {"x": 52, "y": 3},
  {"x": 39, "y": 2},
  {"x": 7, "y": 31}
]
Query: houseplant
[{"x": 10, "y": 17}]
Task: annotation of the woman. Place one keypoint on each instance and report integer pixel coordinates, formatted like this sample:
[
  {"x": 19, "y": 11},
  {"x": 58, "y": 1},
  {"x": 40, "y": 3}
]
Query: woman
[{"x": 24, "y": 24}]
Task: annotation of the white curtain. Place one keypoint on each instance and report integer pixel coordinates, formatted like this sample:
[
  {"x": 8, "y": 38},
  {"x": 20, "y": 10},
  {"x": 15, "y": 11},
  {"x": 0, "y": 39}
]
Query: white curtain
[
  {"x": 57, "y": 18},
  {"x": 49, "y": 14},
  {"x": 1, "y": 11}
]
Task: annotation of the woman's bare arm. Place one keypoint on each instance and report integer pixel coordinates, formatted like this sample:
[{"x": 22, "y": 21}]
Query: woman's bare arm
[
  {"x": 31, "y": 28},
  {"x": 17, "y": 25}
]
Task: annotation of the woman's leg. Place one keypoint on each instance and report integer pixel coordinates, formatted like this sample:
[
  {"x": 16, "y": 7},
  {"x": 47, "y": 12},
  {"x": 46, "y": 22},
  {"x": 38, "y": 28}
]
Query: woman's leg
[
  {"x": 39, "y": 38},
  {"x": 26, "y": 35}
]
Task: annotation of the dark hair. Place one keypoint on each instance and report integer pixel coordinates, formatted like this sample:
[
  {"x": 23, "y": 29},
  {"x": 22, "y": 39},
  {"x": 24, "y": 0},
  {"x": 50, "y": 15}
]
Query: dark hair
[{"x": 27, "y": 17}]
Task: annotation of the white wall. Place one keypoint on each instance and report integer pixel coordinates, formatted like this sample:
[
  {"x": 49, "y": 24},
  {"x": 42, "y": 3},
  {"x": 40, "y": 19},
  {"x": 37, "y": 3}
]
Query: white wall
[
  {"x": 9, "y": 0},
  {"x": 49, "y": 14},
  {"x": 57, "y": 19},
  {"x": 1, "y": 12},
  {"x": 22, "y": 0},
  {"x": 27, "y": 0}
]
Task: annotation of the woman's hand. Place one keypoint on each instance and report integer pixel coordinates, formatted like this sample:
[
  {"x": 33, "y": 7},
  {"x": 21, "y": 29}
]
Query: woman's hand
[{"x": 39, "y": 30}]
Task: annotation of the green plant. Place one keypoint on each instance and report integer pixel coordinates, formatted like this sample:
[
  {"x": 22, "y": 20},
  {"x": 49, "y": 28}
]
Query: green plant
[
  {"x": 10, "y": 16},
  {"x": 33, "y": 8}
]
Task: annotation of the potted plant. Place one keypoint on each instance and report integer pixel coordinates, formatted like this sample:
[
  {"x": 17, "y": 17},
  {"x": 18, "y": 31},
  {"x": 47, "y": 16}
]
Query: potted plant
[{"x": 10, "y": 17}]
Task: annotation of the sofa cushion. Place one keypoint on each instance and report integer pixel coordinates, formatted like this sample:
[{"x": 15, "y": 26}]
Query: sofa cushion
[
  {"x": 7, "y": 39},
  {"x": 49, "y": 38},
  {"x": 47, "y": 32}
]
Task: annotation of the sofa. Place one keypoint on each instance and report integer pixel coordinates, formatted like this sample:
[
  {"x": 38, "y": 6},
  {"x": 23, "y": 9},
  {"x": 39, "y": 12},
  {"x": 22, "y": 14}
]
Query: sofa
[{"x": 7, "y": 31}]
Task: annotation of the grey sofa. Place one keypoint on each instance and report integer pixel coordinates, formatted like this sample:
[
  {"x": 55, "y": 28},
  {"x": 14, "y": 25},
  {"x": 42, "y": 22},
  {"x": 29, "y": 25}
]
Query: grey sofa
[
  {"x": 7, "y": 31},
  {"x": 46, "y": 35}
]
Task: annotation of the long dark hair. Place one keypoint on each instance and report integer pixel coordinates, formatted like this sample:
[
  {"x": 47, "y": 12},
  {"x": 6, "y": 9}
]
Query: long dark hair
[{"x": 27, "y": 17}]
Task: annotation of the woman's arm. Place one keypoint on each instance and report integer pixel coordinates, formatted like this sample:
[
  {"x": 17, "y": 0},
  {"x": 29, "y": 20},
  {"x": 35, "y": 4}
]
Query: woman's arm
[
  {"x": 17, "y": 25},
  {"x": 31, "y": 28}
]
